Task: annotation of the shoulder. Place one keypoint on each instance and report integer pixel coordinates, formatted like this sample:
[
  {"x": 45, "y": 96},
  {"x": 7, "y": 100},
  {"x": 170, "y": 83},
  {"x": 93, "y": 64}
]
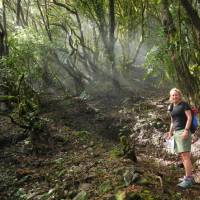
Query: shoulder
[{"x": 186, "y": 105}]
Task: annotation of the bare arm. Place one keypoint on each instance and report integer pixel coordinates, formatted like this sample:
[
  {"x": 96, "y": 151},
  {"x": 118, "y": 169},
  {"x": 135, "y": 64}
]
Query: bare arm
[
  {"x": 189, "y": 119},
  {"x": 188, "y": 124},
  {"x": 171, "y": 130}
]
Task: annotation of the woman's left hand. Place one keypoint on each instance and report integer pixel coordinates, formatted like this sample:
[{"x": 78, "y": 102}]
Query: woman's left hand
[{"x": 185, "y": 134}]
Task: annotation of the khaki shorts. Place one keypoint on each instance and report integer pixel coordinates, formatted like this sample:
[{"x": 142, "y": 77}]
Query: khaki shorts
[{"x": 181, "y": 145}]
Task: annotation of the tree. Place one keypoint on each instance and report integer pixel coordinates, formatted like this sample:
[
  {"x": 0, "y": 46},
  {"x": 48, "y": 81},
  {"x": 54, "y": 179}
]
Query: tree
[
  {"x": 193, "y": 14},
  {"x": 3, "y": 33},
  {"x": 185, "y": 79},
  {"x": 115, "y": 75}
]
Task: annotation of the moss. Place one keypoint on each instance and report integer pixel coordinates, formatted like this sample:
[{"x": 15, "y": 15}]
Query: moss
[
  {"x": 85, "y": 135},
  {"x": 143, "y": 195},
  {"x": 176, "y": 196},
  {"x": 8, "y": 98},
  {"x": 105, "y": 187},
  {"x": 147, "y": 195},
  {"x": 116, "y": 152}
]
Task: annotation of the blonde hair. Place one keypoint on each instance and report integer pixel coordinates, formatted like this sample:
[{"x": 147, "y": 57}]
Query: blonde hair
[{"x": 175, "y": 90}]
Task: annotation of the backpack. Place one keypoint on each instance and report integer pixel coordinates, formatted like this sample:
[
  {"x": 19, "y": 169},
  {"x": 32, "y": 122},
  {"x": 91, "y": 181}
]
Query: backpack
[{"x": 195, "y": 120}]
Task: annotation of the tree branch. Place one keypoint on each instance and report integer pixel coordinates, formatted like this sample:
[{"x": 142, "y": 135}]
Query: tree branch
[
  {"x": 13, "y": 121},
  {"x": 65, "y": 6}
]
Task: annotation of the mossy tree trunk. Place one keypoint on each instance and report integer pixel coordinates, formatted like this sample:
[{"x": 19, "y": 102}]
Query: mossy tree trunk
[{"x": 185, "y": 80}]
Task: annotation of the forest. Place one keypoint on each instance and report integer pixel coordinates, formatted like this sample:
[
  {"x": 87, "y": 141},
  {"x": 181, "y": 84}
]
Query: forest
[{"x": 84, "y": 91}]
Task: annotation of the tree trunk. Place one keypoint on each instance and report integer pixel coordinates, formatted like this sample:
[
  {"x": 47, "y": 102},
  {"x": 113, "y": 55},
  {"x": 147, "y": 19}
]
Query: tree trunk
[
  {"x": 78, "y": 76},
  {"x": 192, "y": 13},
  {"x": 187, "y": 83},
  {"x": 18, "y": 10},
  {"x": 3, "y": 34},
  {"x": 20, "y": 18},
  {"x": 1, "y": 41},
  {"x": 45, "y": 19},
  {"x": 115, "y": 74}
]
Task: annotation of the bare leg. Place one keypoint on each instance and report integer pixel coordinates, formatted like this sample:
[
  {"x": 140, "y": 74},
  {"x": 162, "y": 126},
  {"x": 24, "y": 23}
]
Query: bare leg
[{"x": 186, "y": 158}]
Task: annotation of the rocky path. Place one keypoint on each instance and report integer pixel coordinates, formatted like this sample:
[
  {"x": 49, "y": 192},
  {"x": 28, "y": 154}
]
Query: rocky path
[{"x": 86, "y": 159}]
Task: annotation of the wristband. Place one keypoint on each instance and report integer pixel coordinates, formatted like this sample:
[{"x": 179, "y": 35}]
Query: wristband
[{"x": 187, "y": 129}]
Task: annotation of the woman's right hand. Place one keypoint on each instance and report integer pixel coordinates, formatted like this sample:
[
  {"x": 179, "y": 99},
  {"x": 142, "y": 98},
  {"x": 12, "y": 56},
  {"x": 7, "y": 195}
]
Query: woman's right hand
[{"x": 168, "y": 135}]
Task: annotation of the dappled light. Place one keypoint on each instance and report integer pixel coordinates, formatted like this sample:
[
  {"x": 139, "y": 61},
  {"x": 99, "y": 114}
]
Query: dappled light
[{"x": 84, "y": 99}]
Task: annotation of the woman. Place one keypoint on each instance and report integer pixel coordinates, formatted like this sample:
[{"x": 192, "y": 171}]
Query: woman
[{"x": 181, "y": 119}]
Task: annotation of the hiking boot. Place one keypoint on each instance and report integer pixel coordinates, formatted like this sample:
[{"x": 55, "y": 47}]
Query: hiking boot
[
  {"x": 186, "y": 183},
  {"x": 181, "y": 179},
  {"x": 185, "y": 177}
]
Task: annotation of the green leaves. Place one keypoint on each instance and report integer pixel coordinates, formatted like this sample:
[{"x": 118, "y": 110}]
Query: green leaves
[{"x": 158, "y": 63}]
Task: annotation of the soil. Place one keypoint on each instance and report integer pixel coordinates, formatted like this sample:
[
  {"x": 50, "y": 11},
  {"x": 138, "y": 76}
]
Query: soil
[{"x": 85, "y": 159}]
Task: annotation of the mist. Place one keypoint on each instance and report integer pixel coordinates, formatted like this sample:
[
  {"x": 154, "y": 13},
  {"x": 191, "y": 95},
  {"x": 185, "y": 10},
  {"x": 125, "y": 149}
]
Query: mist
[{"x": 89, "y": 62}]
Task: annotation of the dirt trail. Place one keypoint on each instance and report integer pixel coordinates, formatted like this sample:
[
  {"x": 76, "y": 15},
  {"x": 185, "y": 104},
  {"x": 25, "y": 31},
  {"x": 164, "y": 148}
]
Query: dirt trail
[{"x": 85, "y": 158}]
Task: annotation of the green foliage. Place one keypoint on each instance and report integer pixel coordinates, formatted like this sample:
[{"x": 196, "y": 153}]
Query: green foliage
[
  {"x": 20, "y": 194},
  {"x": 82, "y": 135},
  {"x": 20, "y": 71},
  {"x": 8, "y": 98},
  {"x": 143, "y": 195},
  {"x": 92, "y": 9},
  {"x": 129, "y": 17},
  {"x": 176, "y": 196},
  {"x": 195, "y": 70},
  {"x": 173, "y": 49},
  {"x": 106, "y": 186},
  {"x": 158, "y": 63},
  {"x": 147, "y": 195},
  {"x": 27, "y": 49},
  {"x": 117, "y": 152},
  {"x": 26, "y": 115}
]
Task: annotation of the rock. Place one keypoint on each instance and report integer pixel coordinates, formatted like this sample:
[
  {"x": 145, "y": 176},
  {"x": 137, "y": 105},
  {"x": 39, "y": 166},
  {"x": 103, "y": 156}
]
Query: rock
[
  {"x": 135, "y": 177},
  {"x": 197, "y": 163},
  {"x": 21, "y": 172},
  {"x": 119, "y": 171},
  {"x": 108, "y": 197},
  {"x": 123, "y": 195},
  {"x": 130, "y": 176},
  {"x": 81, "y": 196},
  {"x": 142, "y": 181},
  {"x": 85, "y": 186},
  {"x": 197, "y": 178},
  {"x": 72, "y": 194},
  {"x": 92, "y": 143}
]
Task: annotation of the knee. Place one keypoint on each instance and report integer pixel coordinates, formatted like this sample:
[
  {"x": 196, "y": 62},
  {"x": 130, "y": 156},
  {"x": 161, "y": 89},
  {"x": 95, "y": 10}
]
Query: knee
[{"x": 185, "y": 156}]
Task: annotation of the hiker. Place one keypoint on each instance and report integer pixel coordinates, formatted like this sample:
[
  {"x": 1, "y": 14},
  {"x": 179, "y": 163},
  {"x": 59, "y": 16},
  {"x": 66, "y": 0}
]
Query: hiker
[{"x": 181, "y": 118}]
